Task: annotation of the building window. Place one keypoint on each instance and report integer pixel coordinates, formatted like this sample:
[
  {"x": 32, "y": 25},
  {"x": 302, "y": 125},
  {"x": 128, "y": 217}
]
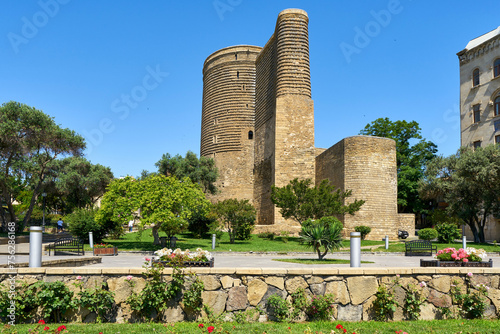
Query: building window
[
  {"x": 250, "y": 134},
  {"x": 235, "y": 56},
  {"x": 475, "y": 78},
  {"x": 238, "y": 74},
  {"x": 497, "y": 139},
  {"x": 476, "y": 144},
  {"x": 496, "y": 68},
  {"x": 497, "y": 106},
  {"x": 477, "y": 113}
]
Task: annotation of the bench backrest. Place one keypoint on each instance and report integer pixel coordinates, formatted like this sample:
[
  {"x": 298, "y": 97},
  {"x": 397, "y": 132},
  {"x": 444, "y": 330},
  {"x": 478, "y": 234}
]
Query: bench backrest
[
  {"x": 418, "y": 243},
  {"x": 67, "y": 241}
]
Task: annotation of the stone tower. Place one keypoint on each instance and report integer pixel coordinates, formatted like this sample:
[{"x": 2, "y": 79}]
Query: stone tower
[
  {"x": 228, "y": 114},
  {"x": 284, "y": 113}
]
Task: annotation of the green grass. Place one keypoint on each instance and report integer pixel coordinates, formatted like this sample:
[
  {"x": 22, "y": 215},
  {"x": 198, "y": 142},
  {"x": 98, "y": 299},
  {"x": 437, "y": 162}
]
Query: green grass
[
  {"x": 365, "y": 327},
  {"x": 129, "y": 242},
  {"x": 317, "y": 261}
]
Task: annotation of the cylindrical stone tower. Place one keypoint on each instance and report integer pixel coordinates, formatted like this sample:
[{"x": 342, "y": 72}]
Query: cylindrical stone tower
[{"x": 228, "y": 115}]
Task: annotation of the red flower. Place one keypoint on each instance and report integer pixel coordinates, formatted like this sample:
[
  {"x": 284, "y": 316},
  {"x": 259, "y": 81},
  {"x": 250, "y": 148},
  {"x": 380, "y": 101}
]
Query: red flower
[
  {"x": 41, "y": 321},
  {"x": 345, "y": 330},
  {"x": 61, "y": 328},
  {"x": 339, "y": 326},
  {"x": 201, "y": 325},
  {"x": 46, "y": 328},
  {"x": 210, "y": 329}
]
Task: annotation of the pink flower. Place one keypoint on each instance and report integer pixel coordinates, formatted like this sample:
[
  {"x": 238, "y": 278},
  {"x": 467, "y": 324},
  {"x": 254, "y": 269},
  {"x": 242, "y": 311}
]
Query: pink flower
[
  {"x": 147, "y": 259},
  {"x": 469, "y": 274},
  {"x": 78, "y": 277},
  {"x": 423, "y": 284},
  {"x": 129, "y": 277},
  {"x": 465, "y": 260}
]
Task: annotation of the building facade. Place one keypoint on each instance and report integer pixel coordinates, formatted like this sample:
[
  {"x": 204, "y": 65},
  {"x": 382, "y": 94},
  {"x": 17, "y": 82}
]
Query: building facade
[
  {"x": 480, "y": 101},
  {"x": 258, "y": 125}
]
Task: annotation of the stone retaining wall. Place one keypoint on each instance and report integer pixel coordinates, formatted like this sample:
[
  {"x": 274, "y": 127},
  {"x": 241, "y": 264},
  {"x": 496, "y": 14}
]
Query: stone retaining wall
[{"x": 233, "y": 290}]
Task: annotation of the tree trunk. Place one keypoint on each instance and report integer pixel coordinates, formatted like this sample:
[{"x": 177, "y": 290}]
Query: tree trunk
[
  {"x": 480, "y": 233},
  {"x": 156, "y": 235},
  {"x": 473, "y": 228}
]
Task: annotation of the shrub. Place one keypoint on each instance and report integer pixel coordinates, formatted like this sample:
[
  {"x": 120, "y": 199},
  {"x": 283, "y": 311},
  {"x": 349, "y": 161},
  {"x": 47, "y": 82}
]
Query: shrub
[
  {"x": 266, "y": 235},
  {"x": 279, "y": 307},
  {"x": 321, "y": 307},
  {"x": 199, "y": 224},
  {"x": 447, "y": 232},
  {"x": 427, "y": 234},
  {"x": 364, "y": 230},
  {"x": 384, "y": 304},
  {"x": 82, "y": 221},
  {"x": 325, "y": 233}
]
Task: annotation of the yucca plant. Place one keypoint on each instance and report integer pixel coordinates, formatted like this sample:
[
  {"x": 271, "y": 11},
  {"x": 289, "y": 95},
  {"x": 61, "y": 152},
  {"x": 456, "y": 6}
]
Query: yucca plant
[{"x": 322, "y": 235}]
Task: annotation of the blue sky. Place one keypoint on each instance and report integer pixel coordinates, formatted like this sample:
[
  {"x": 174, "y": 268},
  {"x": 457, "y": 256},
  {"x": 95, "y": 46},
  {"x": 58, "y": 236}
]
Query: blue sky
[{"x": 127, "y": 75}]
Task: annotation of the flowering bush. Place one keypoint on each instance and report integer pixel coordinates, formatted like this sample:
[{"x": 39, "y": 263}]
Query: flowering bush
[
  {"x": 200, "y": 255},
  {"x": 461, "y": 255},
  {"x": 103, "y": 246}
]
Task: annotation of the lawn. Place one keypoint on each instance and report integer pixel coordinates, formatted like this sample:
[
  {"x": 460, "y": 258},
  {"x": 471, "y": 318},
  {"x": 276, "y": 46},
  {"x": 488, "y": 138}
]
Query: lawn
[
  {"x": 132, "y": 242},
  {"x": 365, "y": 327}
]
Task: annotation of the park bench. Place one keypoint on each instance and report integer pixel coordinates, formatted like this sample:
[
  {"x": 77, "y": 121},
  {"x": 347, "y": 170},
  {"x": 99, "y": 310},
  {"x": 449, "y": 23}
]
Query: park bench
[
  {"x": 419, "y": 248},
  {"x": 67, "y": 245}
]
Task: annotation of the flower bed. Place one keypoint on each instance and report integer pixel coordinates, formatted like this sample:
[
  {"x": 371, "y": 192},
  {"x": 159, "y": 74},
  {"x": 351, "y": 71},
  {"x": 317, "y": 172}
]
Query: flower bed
[
  {"x": 451, "y": 257},
  {"x": 439, "y": 263},
  {"x": 105, "y": 249},
  {"x": 198, "y": 258}
]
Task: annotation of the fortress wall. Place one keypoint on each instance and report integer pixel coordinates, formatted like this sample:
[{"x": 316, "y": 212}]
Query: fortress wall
[
  {"x": 227, "y": 132},
  {"x": 369, "y": 170}
]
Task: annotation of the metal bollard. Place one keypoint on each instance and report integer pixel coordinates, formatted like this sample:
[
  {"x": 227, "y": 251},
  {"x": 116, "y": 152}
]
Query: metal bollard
[
  {"x": 464, "y": 242},
  {"x": 386, "y": 242},
  {"x": 35, "y": 246},
  {"x": 91, "y": 240},
  {"x": 355, "y": 249},
  {"x": 213, "y": 241}
]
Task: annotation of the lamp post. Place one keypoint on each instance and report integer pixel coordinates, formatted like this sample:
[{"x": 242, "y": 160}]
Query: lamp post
[{"x": 44, "y": 194}]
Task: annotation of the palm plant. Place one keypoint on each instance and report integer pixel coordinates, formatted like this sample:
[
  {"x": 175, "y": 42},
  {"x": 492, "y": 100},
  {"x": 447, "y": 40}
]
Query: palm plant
[{"x": 324, "y": 233}]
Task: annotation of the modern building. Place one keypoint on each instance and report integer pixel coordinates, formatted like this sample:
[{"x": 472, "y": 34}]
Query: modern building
[
  {"x": 480, "y": 101},
  {"x": 480, "y": 91}
]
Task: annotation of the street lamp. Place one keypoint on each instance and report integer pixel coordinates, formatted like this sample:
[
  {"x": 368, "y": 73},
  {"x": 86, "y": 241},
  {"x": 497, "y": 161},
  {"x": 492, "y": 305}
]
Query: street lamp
[{"x": 44, "y": 194}]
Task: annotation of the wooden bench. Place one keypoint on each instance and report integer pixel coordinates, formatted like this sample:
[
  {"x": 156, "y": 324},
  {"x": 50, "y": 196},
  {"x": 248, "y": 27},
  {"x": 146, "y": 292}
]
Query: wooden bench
[
  {"x": 419, "y": 248},
  {"x": 67, "y": 245}
]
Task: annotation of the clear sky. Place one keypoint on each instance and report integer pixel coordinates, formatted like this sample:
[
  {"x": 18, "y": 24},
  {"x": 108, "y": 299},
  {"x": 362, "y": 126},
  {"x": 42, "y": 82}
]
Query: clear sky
[{"x": 127, "y": 75}]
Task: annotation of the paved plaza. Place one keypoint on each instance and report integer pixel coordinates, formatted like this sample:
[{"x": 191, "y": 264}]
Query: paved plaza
[{"x": 239, "y": 260}]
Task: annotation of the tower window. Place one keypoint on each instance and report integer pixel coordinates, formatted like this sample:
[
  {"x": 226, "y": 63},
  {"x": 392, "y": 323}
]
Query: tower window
[
  {"x": 496, "y": 68},
  {"x": 477, "y": 113},
  {"x": 497, "y": 106},
  {"x": 238, "y": 74},
  {"x": 497, "y": 139},
  {"x": 476, "y": 144},
  {"x": 250, "y": 134},
  {"x": 475, "y": 77},
  {"x": 235, "y": 56}
]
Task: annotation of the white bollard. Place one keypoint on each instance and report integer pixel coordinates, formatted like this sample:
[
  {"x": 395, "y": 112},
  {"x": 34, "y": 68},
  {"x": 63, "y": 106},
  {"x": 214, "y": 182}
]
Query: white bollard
[
  {"x": 213, "y": 241},
  {"x": 355, "y": 249},
  {"x": 91, "y": 240},
  {"x": 386, "y": 242},
  {"x": 464, "y": 242},
  {"x": 35, "y": 246}
]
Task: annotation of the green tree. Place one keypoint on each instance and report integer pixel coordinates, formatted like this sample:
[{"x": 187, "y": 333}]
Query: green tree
[
  {"x": 469, "y": 182},
  {"x": 79, "y": 183},
  {"x": 325, "y": 233},
  {"x": 30, "y": 141},
  {"x": 299, "y": 201},
  {"x": 238, "y": 217},
  {"x": 201, "y": 171},
  {"x": 412, "y": 153}
]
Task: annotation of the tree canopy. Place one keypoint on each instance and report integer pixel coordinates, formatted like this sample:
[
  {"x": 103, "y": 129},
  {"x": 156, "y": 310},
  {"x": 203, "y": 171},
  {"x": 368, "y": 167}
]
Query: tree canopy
[
  {"x": 237, "y": 216},
  {"x": 299, "y": 201},
  {"x": 165, "y": 203},
  {"x": 201, "y": 171},
  {"x": 412, "y": 154},
  {"x": 30, "y": 141},
  {"x": 469, "y": 182}
]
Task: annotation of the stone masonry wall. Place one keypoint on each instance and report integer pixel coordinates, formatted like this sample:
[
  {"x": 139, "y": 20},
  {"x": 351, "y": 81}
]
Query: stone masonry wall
[
  {"x": 228, "y": 115},
  {"x": 232, "y": 290},
  {"x": 367, "y": 166},
  {"x": 407, "y": 223}
]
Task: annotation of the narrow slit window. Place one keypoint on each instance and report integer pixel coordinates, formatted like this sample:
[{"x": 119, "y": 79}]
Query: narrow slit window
[
  {"x": 250, "y": 135},
  {"x": 477, "y": 113},
  {"x": 238, "y": 74},
  {"x": 235, "y": 56},
  {"x": 496, "y": 68},
  {"x": 497, "y": 106}
]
